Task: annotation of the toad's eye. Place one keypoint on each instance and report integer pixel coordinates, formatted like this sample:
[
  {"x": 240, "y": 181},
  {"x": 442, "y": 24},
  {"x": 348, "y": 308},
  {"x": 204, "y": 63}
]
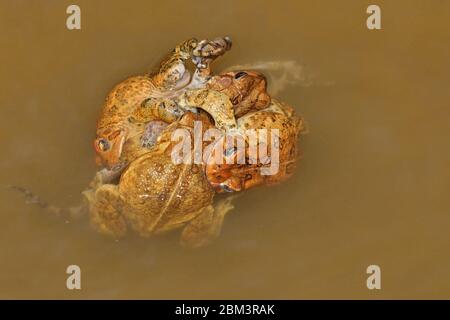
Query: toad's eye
[
  {"x": 240, "y": 74},
  {"x": 103, "y": 144}
]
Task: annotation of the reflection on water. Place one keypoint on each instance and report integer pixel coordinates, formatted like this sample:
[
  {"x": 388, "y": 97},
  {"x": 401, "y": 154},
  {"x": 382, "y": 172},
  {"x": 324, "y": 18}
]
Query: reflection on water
[{"x": 372, "y": 187}]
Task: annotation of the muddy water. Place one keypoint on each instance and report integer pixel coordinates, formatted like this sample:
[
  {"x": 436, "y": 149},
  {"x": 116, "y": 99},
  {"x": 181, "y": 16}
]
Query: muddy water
[{"x": 372, "y": 187}]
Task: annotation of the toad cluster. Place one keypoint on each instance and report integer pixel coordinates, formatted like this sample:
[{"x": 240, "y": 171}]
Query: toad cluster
[{"x": 141, "y": 188}]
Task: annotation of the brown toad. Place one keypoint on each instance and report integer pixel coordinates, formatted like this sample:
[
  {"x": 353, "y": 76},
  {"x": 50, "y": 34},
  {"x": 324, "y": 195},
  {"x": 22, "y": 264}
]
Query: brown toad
[
  {"x": 154, "y": 195},
  {"x": 117, "y": 124}
]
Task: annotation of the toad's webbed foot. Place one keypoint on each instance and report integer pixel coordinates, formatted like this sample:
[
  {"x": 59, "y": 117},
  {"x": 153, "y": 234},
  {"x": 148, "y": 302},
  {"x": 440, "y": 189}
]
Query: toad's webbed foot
[
  {"x": 210, "y": 49},
  {"x": 106, "y": 175}
]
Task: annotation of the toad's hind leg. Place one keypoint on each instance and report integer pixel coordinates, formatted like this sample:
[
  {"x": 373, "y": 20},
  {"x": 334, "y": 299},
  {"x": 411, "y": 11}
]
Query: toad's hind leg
[
  {"x": 206, "y": 227},
  {"x": 104, "y": 210},
  {"x": 217, "y": 104}
]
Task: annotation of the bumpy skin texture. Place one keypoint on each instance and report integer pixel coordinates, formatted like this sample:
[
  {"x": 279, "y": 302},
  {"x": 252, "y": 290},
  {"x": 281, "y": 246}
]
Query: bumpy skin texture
[
  {"x": 155, "y": 195},
  {"x": 118, "y": 123},
  {"x": 237, "y": 177},
  {"x": 159, "y": 195}
]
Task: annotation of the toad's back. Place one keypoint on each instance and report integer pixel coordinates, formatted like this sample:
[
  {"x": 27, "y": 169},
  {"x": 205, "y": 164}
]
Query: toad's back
[{"x": 161, "y": 195}]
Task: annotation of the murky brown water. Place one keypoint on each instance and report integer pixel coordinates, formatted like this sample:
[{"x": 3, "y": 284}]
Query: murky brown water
[{"x": 373, "y": 187}]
